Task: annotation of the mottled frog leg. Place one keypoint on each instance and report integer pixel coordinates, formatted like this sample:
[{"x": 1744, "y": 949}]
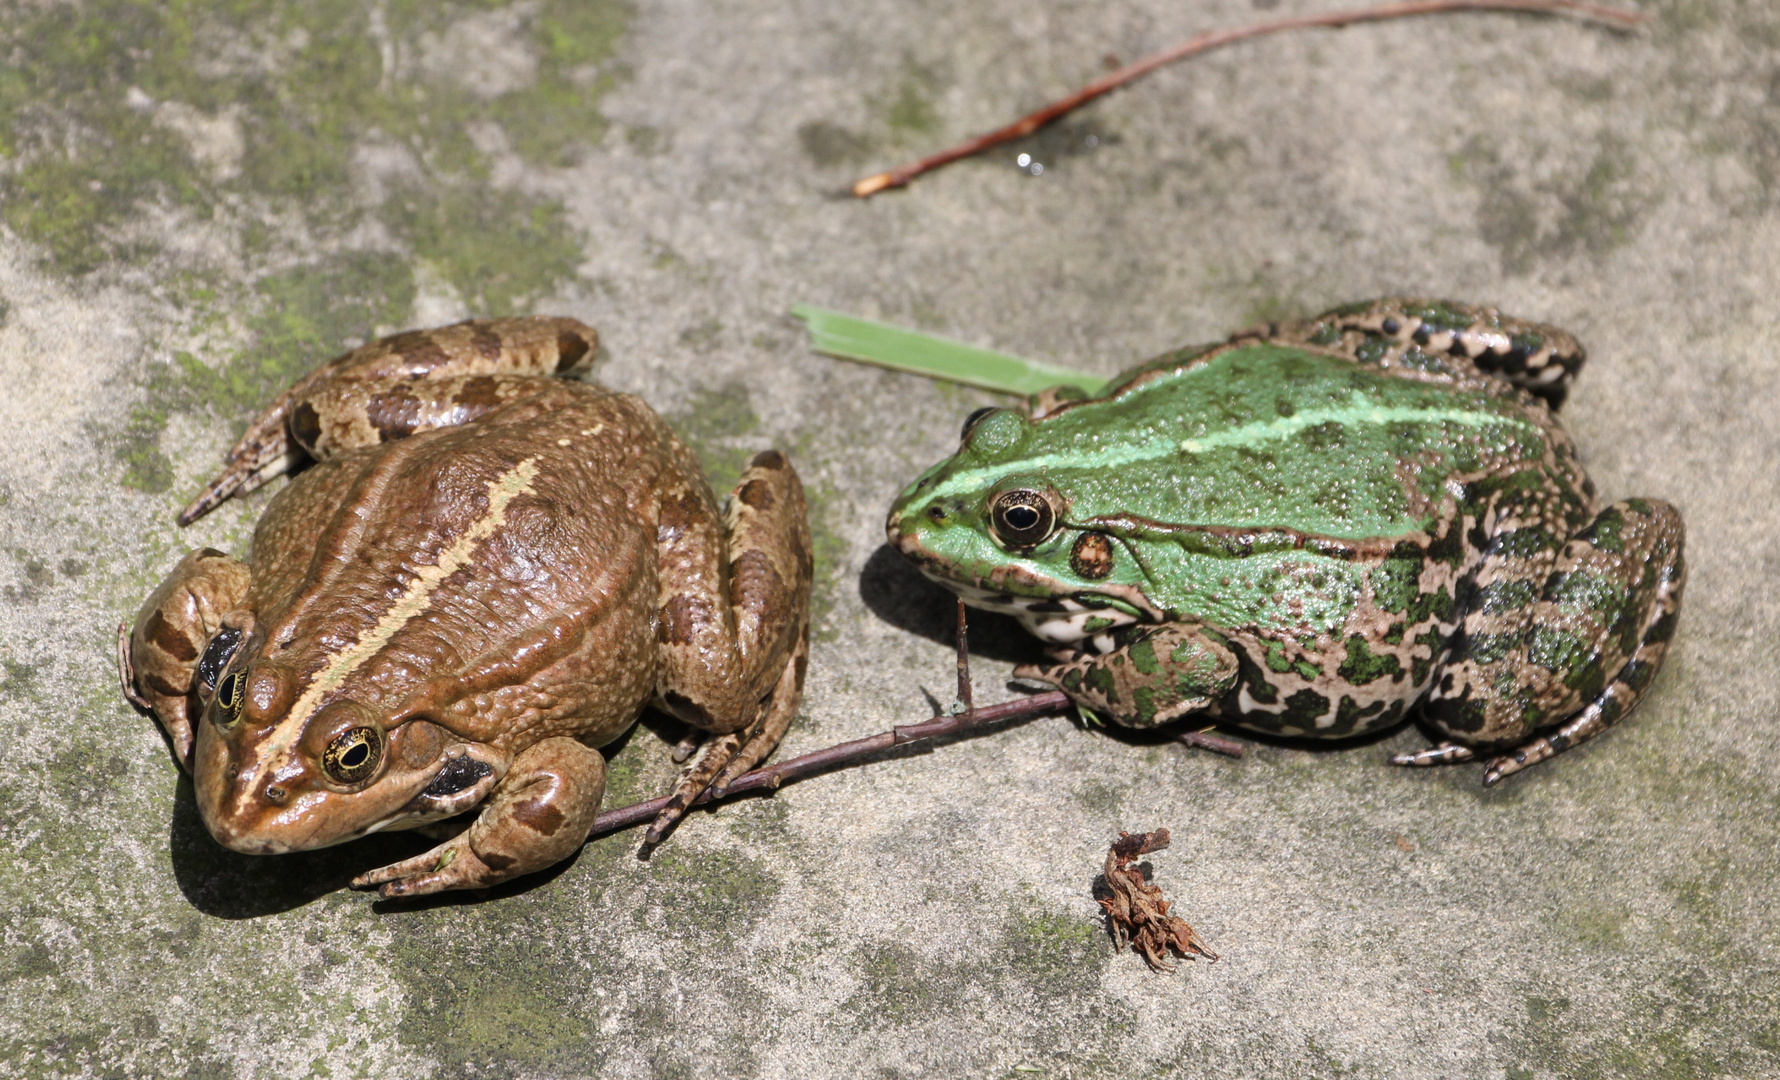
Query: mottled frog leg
[
  {"x": 1159, "y": 675},
  {"x": 1405, "y": 332},
  {"x": 160, "y": 656},
  {"x": 541, "y": 811},
  {"x": 359, "y": 398},
  {"x": 1587, "y": 643},
  {"x": 734, "y": 615}
]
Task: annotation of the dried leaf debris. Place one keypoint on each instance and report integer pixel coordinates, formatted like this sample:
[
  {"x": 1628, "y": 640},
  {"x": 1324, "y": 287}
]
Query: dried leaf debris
[{"x": 1136, "y": 910}]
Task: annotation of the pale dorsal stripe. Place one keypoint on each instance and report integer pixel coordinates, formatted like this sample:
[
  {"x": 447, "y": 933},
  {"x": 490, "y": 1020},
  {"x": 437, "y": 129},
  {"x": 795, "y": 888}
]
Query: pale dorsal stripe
[{"x": 419, "y": 595}]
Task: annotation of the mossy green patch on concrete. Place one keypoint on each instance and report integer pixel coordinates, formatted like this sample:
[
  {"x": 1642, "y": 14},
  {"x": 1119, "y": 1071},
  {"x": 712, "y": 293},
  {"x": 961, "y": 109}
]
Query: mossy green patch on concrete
[
  {"x": 717, "y": 424},
  {"x": 491, "y": 989},
  {"x": 707, "y": 894},
  {"x": 499, "y": 249},
  {"x": 1687, "y": 1025},
  {"x": 119, "y": 108},
  {"x": 829, "y": 549},
  {"x": 1056, "y": 953},
  {"x": 1593, "y": 210},
  {"x": 299, "y": 318},
  {"x": 143, "y": 114},
  {"x": 899, "y": 986},
  {"x": 909, "y": 108}
]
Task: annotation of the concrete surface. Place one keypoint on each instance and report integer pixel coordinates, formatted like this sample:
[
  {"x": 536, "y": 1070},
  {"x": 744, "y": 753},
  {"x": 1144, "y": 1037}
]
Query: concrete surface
[{"x": 198, "y": 205}]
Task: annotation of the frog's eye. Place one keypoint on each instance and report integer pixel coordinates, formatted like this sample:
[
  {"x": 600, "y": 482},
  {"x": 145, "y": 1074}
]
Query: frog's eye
[
  {"x": 971, "y": 421},
  {"x": 353, "y": 755},
  {"x": 230, "y": 696},
  {"x": 217, "y": 653},
  {"x": 1022, "y": 518}
]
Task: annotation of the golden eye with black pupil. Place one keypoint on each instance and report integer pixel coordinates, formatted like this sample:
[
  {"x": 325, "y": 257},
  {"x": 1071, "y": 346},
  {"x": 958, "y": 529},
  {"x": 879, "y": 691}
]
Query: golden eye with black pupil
[
  {"x": 971, "y": 421},
  {"x": 1022, "y": 518},
  {"x": 230, "y": 696},
  {"x": 353, "y": 755},
  {"x": 217, "y": 653}
]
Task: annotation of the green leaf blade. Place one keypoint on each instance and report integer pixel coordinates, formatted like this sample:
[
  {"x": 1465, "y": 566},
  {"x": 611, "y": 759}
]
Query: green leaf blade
[{"x": 851, "y": 338}]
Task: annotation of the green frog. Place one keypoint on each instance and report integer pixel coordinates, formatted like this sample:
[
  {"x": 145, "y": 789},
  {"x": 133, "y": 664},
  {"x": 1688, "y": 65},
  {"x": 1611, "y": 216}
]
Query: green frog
[
  {"x": 1312, "y": 529},
  {"x": 486, "y": 575}
]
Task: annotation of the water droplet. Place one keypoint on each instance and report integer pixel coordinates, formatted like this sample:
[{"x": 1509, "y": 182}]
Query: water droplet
[
  {"x": 1091, "y": 141},
  {"x": 1023, "y": 160},
  {"x": 1038, "y": 168}
]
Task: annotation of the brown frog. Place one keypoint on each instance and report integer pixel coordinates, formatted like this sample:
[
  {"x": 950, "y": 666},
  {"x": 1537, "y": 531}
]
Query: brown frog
[{"x": 486, "y": 575}]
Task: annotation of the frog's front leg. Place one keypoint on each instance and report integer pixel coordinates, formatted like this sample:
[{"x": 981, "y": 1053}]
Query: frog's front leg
[
  {"x": 1587, "y": 641},
  {"x": 541, "y": 811},
  {"x": 175, "y": 651},
  {"x": 394, "y": 387},
  {"x": 734, "y": 617},
  {"x": 1159, "y": 675}
]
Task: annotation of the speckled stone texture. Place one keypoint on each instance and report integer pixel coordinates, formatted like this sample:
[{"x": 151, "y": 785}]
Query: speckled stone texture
[{"x": 198, "y": 206}]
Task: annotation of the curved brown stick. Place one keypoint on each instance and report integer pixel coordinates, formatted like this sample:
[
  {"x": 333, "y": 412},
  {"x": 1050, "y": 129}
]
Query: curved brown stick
[
  {"x": 1212, "y": 39},
  {"x": 845, "y": 754}
]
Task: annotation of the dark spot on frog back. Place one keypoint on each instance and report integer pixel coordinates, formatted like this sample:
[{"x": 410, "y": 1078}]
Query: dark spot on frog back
[
  {"x": 170, "y": 638},
  {"x": 478, "y": 394},
  {"x": 394, "y": 413},
  {"x": 418, "y": 350},
  {"x": 679, "y": 513},
  {"x": 305, "y": 426},
  {"x": 541, "y": 818},
  {"x": 486, "y": 342},
  {"x": 757, "y": 494},
  {"x": 680, "y": 620},
  {"x": 570, "y": 348}
]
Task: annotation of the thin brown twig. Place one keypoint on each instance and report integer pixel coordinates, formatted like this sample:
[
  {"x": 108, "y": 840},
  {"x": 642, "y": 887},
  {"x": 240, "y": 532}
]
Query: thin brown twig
[
  {"x": 847, "y": 753},
  {"x": 1212, "y": 39}
]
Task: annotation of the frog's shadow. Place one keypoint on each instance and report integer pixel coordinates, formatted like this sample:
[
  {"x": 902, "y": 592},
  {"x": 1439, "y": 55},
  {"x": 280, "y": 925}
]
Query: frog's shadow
[{"x": 898, "y": 593}]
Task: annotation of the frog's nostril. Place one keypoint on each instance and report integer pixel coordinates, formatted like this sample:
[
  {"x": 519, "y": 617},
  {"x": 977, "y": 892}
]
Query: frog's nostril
[
  {"x": 936, "y": 512},
  {"x": 276, "y": 795}
]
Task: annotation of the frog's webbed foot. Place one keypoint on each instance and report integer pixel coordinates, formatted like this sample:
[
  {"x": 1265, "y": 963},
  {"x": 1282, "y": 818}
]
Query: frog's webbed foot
[
  {"x": 722, "y": 759},
  {"x": 538, "y": 816},
  {"x": 1445, "y": 754}
]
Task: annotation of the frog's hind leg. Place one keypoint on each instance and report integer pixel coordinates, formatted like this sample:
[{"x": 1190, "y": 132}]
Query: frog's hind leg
[
  {"x": 1588, "y": 644},
  {"x": 393, "y": 387},
  {"x": 1399, "y": 332},
  {"x": 734, "y": 615}
]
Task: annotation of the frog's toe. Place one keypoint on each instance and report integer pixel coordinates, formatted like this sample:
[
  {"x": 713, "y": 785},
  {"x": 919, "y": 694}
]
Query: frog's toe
[
  {"x": 1445, "y": 754},
  {"x": 1529, "y": 753},
  {"x": 451, "y": 865}
]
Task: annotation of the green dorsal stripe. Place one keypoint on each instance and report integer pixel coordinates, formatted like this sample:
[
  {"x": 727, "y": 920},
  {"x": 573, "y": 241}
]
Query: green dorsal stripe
[
  {"x": 1115, "y": 455},
  {"x": 940, "y": 358}
]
